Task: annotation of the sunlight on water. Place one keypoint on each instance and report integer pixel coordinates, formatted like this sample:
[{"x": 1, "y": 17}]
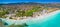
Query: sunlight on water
[
  {"x": 51, "y": 21},
  {"x": 54, "y": 22}
]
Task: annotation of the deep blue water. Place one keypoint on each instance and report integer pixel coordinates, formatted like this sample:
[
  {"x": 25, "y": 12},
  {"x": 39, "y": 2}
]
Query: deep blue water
[{"x": 54, "y": 22}]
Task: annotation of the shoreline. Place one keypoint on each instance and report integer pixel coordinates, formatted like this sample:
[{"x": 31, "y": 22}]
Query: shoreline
[
  {"x": 41, "y": 17},
  {"x": 46, "y": 15}
]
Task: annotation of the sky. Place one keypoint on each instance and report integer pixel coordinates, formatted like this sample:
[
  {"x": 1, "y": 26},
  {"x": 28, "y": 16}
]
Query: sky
[{"x": 39, "y": 1}]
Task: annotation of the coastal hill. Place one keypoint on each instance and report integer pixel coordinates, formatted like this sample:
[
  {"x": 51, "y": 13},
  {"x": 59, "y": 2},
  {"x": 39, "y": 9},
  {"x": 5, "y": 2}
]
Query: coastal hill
[
  {"x": 33, "y": 3},
  {"x": 23, "y": 6},
  {"x": 26, "y": 9},
  {"x": 22, "y": 3}
]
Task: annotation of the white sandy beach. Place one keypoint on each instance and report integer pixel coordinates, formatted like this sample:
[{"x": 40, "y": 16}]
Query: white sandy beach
[
  {"x": 30, "y": 19},
  {"x": 43, "y": 17}
]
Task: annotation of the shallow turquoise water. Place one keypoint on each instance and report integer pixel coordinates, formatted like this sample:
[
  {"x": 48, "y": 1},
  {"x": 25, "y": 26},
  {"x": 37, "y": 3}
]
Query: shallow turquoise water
[{"x": 53, "y": 22}]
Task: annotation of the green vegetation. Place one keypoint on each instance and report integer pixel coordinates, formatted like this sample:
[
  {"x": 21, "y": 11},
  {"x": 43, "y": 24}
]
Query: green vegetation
[
  {"x": 3, "y": 12},
  {"x": 28, "y": 12},
  {"x": 20, "y": 13}
]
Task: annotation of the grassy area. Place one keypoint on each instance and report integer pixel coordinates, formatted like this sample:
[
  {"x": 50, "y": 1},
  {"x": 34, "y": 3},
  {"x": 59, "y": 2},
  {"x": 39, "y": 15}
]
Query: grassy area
[
  {"x": 28, "y": 12},
  {"x": 21, "y": 12},
  {"x": 3, "y": 12}
]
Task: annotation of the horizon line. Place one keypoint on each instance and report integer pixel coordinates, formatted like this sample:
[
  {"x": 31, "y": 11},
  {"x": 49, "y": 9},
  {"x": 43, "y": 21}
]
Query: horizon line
[{"x": 27, "y": 2}]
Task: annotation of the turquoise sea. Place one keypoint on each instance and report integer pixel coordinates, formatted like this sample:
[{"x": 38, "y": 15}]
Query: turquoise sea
[{"x": 51, "y": 21}]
